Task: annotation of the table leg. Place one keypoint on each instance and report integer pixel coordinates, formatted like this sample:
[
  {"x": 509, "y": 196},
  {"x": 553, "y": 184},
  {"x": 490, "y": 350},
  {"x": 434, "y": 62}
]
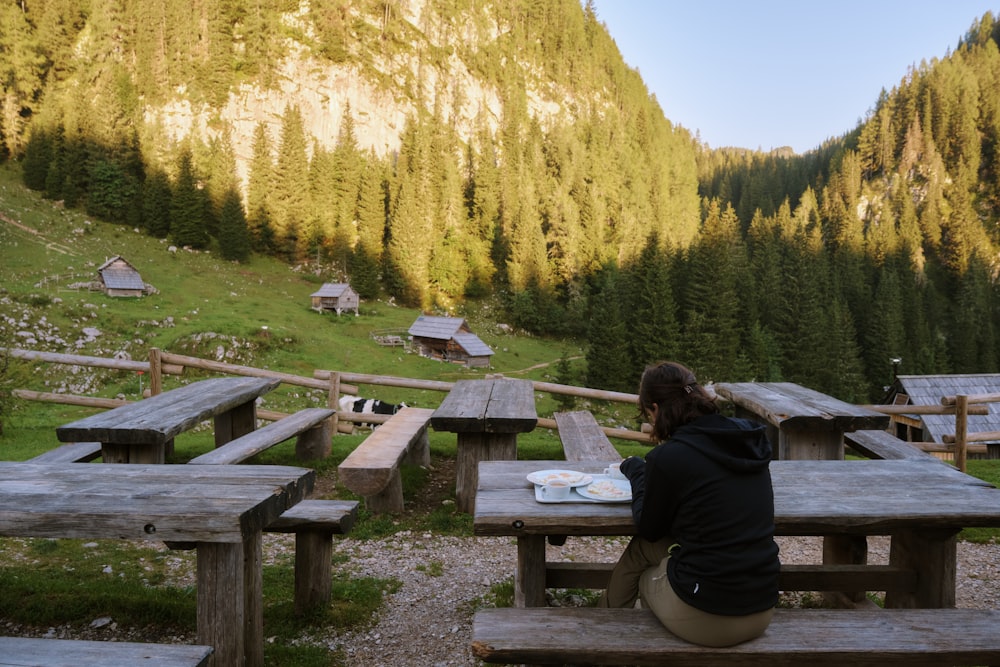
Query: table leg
[
  {"x": 810, "y": 445},
  {"x": 230, "y": 605},
  {"x": 473, "y": 448},
  {"x": 115, "y": 453},
  {"x": 933, "y": 554},
  {"x": 844, "y": 550},
  {"x": 529, "y": 579},
  {"x": 235, "y": 422}
]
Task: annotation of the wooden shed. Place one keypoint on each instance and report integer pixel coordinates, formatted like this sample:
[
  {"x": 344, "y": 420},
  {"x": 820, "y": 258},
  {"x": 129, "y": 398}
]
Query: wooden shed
[
  {"x": 928, "y": 390},
  {"x": 449, "y": 339},
  {"x": 119, "y": 278},
  {"x": 337, "y": 297}
]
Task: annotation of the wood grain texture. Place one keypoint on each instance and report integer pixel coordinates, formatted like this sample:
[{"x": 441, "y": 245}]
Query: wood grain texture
[
  {"x": 34, "y": 651},
  {"x": 159, "y": 418},
  {"x": 368, "y": 470},
  {"x": 589, "y": 636},
  {"x": 583, "y": 439},
  {"x": 785, "y": 404},
  {"x": 255, "y": 442},
  {"x": 501, "y": 405}
]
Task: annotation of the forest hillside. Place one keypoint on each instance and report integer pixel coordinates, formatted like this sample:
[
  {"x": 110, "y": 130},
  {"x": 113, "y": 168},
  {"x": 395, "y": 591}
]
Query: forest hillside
[{"x": 441, "y": 151}]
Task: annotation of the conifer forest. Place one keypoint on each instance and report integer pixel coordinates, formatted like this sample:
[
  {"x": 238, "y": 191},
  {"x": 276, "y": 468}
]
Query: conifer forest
[{"x": 530, "y": 166}]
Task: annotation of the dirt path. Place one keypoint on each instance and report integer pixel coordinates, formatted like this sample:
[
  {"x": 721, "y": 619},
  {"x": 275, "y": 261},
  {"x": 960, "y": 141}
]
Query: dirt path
[{"x": 51, "y": 245}]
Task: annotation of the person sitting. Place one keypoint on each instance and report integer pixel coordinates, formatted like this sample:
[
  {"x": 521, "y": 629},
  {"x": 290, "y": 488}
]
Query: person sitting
[{"x": 704, "y": 559}]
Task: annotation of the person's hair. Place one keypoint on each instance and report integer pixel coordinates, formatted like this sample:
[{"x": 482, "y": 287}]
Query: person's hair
[{"x": 678, "y": 397}]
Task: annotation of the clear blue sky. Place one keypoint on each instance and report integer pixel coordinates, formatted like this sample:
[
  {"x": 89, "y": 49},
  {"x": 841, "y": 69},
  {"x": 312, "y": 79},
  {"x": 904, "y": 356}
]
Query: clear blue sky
[{"x": 770, "y": 73}]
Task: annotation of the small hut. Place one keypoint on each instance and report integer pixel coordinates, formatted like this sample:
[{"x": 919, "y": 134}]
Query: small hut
[
  {"x": 449, "y": 339},
  {"x": 928, "y": 390},
  {"x": 337, "y": 297},
  {"x": 119, "y": 278}
]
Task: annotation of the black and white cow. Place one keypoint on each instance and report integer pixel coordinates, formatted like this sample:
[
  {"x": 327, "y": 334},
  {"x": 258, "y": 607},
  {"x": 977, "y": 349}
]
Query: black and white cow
[{"x": 369, "y": 406}]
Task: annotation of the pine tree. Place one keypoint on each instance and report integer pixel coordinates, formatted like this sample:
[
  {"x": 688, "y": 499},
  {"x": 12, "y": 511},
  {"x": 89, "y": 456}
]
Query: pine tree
[
  {"x": 187, "y": 207},
  {"x": 291, "y": 187},
  {"x": 260, "y": 185},
  {"x": 234, "y": 239},
  {"x": 607, "y": 356},
  {"x": 156, "y": 204}
]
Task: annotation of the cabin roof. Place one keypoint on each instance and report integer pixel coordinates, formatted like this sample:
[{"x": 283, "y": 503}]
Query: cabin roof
[
  {"x": 117, "y": 273},
  {"x": 928, "y": 390},
  {"x": 472, "y": 345},
  {"x": 439, "y": 328},
  {"x": 332, "y": 289}
]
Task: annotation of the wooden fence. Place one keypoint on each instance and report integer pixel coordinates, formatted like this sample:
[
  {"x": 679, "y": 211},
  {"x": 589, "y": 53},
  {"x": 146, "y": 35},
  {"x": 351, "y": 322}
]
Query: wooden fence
[{"x": 335, "y": 383}]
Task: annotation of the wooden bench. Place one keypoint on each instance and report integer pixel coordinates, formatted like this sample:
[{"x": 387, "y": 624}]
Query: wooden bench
[
  {"x": 878, "y": 444},
  {"x": 71, "y": 452},
  {"x": 583, "y": 439},
  {"x": 591, "y": 636},
  {"x": 84, "y": 653},
  {"x": 372, "y": 469},
  {"x": 309, "y": 427},
  {"x": 314, "y": 523}
]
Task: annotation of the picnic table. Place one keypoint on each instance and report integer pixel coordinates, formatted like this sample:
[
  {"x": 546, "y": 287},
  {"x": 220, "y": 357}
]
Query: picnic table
[
  {"x": 143, "y": 432},
  {"x": 921, "y": 504},
  {"x": 221, "y": 509},
  {"x": 487, "y": 415},
  {"x": 809, "y": 424}
]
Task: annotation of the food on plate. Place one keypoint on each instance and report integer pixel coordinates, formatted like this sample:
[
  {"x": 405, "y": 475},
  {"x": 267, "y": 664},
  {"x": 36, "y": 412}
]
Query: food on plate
[
  {"x": 548, "y": 476},
  {"x": 606, "y": 488}
]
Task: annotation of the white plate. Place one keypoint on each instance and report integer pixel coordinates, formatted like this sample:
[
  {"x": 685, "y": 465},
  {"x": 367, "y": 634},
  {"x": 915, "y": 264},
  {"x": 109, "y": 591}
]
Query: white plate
[
  {"x": 608, "y": 490},
  {"x": 572, "y": 477}
]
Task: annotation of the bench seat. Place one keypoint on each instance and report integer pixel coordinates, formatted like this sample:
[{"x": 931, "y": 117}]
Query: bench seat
[
  {"x": 878, "y": 444},
  {"x": 314, "y": 523},
  {"x": 309, "y": 427},
  {"x": 85, "y": 653},
  {"x": 71, "y": 452},
  {"x": 372, "y": 469},
  {"x": 591, "y": 636},
  {"x": 583, "y": 439}
]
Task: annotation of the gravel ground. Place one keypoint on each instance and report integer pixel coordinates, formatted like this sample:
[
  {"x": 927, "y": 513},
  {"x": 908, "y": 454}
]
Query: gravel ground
[{"x": 428, "y": 621}]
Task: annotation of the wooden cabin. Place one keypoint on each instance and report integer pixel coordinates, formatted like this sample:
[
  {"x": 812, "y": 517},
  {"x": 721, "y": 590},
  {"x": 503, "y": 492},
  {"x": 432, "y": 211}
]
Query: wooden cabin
[
  {"x": 336, "y": 297},
  {"x": 928, "y": 390},
  {"x": 449, "y": 339},
  {"x": 117, "y": 277}
]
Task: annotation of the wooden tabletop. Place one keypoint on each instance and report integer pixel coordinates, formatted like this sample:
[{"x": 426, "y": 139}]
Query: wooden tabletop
[
  {"x": 180, "y": 503},
  {"x": 810, "y": 498},
  {"x": 500, "y": 405},
  {"x": 157, "y": 419},
  {"x": 789, "y": 405}
]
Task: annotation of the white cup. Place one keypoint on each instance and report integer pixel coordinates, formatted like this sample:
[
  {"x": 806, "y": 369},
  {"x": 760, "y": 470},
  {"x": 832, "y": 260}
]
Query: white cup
[
  {"x": 614, "y": 472},
  {"x": 555, "y": 490}
]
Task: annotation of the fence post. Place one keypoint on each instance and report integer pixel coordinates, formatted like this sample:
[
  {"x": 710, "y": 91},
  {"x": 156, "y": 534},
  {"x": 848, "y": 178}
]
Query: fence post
[
  {"x": 961, "y": 430},
  {"x": 155, "y": 371},
  {"x": 333, "y": 400}
]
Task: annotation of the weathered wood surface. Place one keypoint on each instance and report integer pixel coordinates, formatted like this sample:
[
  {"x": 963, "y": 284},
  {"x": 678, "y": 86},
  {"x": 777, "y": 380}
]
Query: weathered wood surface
[
  {"x": 847, "y": 500},
  {"x": 500, "y": 405},
  {"x": 790, "y": 405},
  {"x": 335, "y": 517},
  {"x": 35, "y": 651},
  {"x": 222, "y": 509},
  {"x": 871, "y": 638},
  {"x": 373, "y": 465},
  {"x": 810, "y": 498},
  {"x": 880, "y": 444},
  {"x": 255, "y": 442},
  {"x": 159, "y": 418},
  {"x": 71, "y": 452},
  {"x": 583, "y": 439},
  {"x": 157, "y": 502}
]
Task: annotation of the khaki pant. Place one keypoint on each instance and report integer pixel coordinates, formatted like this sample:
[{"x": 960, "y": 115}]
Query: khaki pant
[{"x": 641, "y": 572}]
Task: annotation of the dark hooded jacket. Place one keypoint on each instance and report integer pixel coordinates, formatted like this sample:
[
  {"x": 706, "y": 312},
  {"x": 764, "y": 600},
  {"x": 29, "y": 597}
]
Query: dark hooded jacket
[{"x": 708, "y": 488}]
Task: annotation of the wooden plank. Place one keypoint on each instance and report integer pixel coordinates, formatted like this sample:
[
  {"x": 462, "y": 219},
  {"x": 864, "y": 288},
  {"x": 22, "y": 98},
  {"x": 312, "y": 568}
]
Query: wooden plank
[
  {"x": 511, "y": 407},
  {"x": 583, "y": 439},
  {"x": 335, "y": 517},
  {"x": 880, "y": 444},
  {"x": 71, "y": 452},
  {"x": 158, "y": 419},
  {"x": 31, "y": 651},
  {"x": 590, "y": 636},
  {"x": 463, "y": 410},
  {"x": 255, "y": 442},
  {"x": 785, "y": 404},
  {"x": 369, "y": 468}
]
